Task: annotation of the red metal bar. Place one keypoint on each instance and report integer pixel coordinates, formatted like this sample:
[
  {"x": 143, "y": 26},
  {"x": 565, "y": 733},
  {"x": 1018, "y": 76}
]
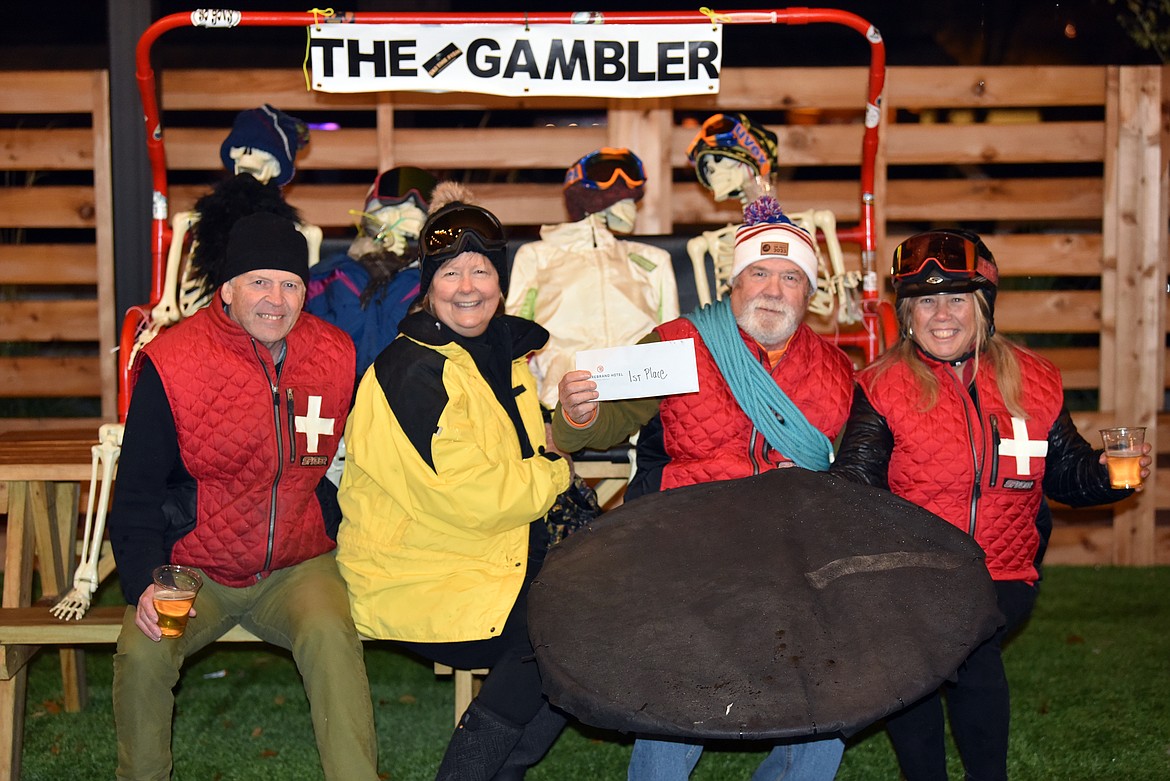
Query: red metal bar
[{"x": 227, "y": 19}]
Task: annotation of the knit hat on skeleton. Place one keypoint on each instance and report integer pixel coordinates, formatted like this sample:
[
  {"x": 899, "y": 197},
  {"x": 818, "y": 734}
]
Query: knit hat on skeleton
[
  {"x": 768, "y": 234},
  {"x": 269, "y": 130}
]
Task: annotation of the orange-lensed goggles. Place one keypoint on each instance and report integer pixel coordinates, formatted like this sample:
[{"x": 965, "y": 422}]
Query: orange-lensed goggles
[
  {"x": 600, "y": 170},
  {"x": 950, "y": 252}
]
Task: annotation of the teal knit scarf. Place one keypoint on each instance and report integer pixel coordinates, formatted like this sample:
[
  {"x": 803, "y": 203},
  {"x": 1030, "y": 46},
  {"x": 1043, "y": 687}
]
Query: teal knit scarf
[{"x": 781, "y": 422}]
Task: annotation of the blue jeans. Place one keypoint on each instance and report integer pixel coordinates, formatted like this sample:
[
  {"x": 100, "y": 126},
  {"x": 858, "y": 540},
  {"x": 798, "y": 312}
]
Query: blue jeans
[{"x": 801, "y": 760}]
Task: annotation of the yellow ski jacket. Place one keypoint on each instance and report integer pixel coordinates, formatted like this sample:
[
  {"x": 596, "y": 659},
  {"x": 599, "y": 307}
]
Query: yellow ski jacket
[{"x": 437, "y": 494}]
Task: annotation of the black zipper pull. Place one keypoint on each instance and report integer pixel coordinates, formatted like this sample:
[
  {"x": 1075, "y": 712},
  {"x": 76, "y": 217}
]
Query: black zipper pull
[
  {"x": 994, "y": 451},
  {"x": 292, "y": 436}
]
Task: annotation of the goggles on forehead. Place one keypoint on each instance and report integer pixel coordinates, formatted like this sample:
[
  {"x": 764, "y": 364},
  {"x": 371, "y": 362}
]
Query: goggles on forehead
[
  {"x": 398, "y": 185},
  {"x": 726, "y": 131},
  {"x": 600, "y": 170},
  {"x": 460, "y": 228},
  {"x": 952, "y": 253}
]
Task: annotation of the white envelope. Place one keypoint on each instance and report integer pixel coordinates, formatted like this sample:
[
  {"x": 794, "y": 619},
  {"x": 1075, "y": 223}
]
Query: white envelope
[{"x": 641, "y": 370}]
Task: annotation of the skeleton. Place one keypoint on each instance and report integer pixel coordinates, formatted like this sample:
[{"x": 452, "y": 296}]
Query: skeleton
[
  {"x": 92, "y": 569},
  {"x": 836, "y": 287}
]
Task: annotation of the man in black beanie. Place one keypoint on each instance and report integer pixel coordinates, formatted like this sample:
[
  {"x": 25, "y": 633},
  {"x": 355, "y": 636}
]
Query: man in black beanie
[{"x": 235, "y": 417}]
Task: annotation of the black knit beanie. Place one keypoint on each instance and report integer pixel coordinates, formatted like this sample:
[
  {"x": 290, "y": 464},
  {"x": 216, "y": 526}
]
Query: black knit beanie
[{"x": 265, "y": 241}]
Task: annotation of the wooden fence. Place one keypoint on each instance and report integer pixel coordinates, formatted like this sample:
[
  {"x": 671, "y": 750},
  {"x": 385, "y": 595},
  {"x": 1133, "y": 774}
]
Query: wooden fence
[
  {"x": 1062, "y": 169},
  {"x": 57, "y": 317}
]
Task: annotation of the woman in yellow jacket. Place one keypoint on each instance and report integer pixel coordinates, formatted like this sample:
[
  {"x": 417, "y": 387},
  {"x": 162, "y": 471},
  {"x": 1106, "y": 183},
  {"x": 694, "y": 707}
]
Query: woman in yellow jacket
[{"x": 446, "y": 484}]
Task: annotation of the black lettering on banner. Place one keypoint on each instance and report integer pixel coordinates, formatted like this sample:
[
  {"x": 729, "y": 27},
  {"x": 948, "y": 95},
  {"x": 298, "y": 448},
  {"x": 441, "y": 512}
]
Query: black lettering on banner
[
  {"x": 635, "y": 74},
  {"x": 665, "y": 60},
  {"x": 567, "y": 67},
  {"x": 702, "y": 54},
  {"x": 522, "y": 61},
  {"x": 607, "y": 61},
  {"x": 400, "y": 55},
  {"x": 327, "y": 46},
  {"x": 444, "y": 57},
  {"x": 357, "y": 57},
  {"x": 491, "y": 61}
]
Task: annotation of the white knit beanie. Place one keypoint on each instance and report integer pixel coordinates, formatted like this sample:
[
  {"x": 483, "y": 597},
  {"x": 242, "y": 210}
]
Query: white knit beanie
[{"x": 777, "y": 241}]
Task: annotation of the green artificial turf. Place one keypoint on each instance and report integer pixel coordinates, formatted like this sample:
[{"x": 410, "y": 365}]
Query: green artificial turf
[{"x": 1090, "y": 684}]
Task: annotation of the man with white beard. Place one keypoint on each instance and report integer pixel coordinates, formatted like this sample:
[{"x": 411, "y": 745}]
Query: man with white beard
[{"x": 772, "y": 394}]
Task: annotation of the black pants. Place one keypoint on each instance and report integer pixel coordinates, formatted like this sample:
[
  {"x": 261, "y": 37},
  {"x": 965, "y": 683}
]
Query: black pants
[{"x": 977, "y": 702}]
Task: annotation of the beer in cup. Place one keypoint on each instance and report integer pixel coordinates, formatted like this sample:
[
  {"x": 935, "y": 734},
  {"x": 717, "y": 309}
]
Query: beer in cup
[
  {"x": 1123, "y": 454},
  {"x": 175, "y": 588}
]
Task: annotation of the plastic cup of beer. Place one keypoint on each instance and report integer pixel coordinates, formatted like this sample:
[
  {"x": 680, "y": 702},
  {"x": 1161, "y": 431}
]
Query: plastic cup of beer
[
  {"x": 175, "y": 588},
  {"x": 1123, "y": 454}
]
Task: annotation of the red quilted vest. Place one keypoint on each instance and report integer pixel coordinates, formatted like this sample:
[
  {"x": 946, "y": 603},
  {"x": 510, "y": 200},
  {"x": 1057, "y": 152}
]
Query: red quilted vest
[
  {"x": 982, "y": 470},
  {"x": 256, "y": 451},
  {"x": 706, "y": 434}
]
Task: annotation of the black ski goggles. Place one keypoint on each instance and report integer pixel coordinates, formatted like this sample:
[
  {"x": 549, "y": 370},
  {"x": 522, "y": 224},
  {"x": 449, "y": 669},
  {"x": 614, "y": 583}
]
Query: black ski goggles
[
  {"x": 952, "y": 253},
  {"x": 461, "y": 228},
  {"x": 600, "y": 170},
  {"x": 400, "y": 184}
]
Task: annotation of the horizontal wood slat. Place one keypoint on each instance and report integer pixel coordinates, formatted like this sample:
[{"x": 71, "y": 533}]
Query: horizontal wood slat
[
  {"x": 48, "y": 321},
  {"x": 943, "y": 201},
  {"x": 1041, "y": 142},
  {"x": 37, "y": 626},
  {"x": 1048, "y": 311},
  {"x": 48, "y": 264},
  {"x": 756, "y": 89},
  {"x": 47, "y": 207},
  {"x": 989, "y": 87},
  {"x": 50, "y": 377},
  {"x": 56, "y": 149},
  {"x": 49, "y": 92}
]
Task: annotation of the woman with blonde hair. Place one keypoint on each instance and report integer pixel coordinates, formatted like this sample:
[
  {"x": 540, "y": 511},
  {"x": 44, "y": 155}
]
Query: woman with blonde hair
[{"x": 974, "y": 428}]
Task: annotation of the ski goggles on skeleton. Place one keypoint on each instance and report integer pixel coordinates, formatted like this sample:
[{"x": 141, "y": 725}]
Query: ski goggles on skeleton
[
  {"x": 461, "y": 228},
  {"x": 600, "y": 170},
  {"x": 953, "y": 254},
  {"x": 398, "y": 185},
  {"x": 374, "y": 225},
  {"x": 725, "y": 131}
]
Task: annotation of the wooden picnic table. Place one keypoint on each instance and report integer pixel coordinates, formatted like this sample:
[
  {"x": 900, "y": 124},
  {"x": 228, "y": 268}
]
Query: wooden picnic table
[{"x": 44, "y": 471}]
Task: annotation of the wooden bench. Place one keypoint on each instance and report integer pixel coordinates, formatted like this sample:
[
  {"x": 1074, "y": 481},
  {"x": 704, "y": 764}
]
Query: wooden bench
[{"x": 36, "y": 626}]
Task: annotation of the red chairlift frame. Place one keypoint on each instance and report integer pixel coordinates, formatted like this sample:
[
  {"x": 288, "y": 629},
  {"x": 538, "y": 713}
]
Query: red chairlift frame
[{"x": 877, "y": 315}]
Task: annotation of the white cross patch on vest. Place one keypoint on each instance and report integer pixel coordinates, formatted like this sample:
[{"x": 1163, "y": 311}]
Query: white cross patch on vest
[
  {"x": 313, "y": 425},
  {"x": 1022, "y": 448}
]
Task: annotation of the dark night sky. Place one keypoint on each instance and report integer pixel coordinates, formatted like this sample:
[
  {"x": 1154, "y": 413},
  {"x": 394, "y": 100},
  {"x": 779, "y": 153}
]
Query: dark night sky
[{"x": 916, "y": 32}]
